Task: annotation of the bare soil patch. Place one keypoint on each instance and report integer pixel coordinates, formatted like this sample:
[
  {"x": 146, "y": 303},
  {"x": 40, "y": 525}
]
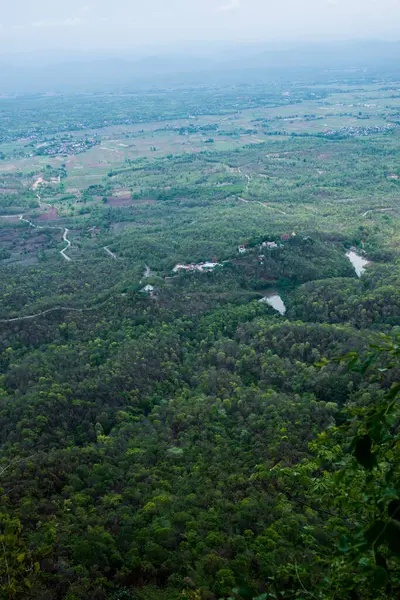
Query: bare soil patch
[
  {"x": 119, "y": 200},
  {"x": 50, "y": 215},
  {"x": 143, "y": 201},
  {"x": 126, "y": 200}
]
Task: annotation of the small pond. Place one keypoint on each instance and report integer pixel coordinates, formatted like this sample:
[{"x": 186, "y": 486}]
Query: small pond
[
  {"x": 275, "y": 301},
  {"x": 358, "y": 262}
]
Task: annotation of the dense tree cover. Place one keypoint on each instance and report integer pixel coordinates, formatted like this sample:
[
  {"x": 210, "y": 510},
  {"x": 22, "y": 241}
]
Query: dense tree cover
[
  {"x": 146, "y": 458},
  {"x": 346, "y": 300},
  {"x": 196, "y": 444},
  {"x": 357, "y": 489}
]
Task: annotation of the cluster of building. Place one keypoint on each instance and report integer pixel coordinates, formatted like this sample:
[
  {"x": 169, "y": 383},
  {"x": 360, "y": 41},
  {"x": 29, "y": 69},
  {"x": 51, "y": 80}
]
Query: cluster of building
[
  {"x": 242, "y": 249},
  {"x": 354, "y": 131},
  {"x": 66, "y": 147},
  {"x": 205, "y": 266}
]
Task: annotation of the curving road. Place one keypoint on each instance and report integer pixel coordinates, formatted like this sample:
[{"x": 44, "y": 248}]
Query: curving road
[
  {"x": 38, "y": 182},
  {"x": 62, "y": 252},
  {"x": 107, "y": 249},
  {"x": 375, "y": 210},
  {"x": 62, "y": 308},
  {"x": 264, "y": 204},
  {"x": 21, "y": 218},
  {"x": 42, "y": 203},
  {"x": 45, "y": 312},
  {"x": 239, "y": 170},
  {"x": 248, "y": 177},
  {"x": 146, "y": 274}
]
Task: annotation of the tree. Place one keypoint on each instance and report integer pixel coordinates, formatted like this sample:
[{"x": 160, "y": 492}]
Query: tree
[
  {"x": 353, "y": 485},
  {"x": 17, "y": 565}
]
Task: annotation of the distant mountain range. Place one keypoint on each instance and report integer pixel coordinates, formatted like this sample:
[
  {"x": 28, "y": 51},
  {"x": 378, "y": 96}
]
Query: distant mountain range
[{"x": 234, "y": 63}]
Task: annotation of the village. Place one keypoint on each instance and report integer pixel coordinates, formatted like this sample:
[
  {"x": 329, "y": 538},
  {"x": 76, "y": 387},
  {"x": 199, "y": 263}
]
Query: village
[{"x": 65, "y": 147}]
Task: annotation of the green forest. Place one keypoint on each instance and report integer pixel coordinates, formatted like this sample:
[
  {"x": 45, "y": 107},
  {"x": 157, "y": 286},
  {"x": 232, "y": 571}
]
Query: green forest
[{"x": 200, "y": 342}]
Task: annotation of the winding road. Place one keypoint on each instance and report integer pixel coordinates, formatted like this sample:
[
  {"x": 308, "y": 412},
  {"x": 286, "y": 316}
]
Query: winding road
[
  {"x": 248, "y": 177},
  {"x": 147, "y": 273},
  {"x": 107, "y": 249},
  {"x": 239, "y": 170},
  {"x": 21, "y": 218},
  {"x": 66, "y": 240},
  {"x": 42, "y": 203},
  {"x": 264, "y": 204},
  {"x": 54, "y": 309},
  {"x": 62, "y": 252},
  {"x": 45, "y": 312},
  {"x": 375, "y": 210}
]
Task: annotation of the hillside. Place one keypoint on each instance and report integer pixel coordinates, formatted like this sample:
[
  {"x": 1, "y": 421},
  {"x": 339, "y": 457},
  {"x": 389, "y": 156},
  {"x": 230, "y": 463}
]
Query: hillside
[{"x": 197, "y": 387}]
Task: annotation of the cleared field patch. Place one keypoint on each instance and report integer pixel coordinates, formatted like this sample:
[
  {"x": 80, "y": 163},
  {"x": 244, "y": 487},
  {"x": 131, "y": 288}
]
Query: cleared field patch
[{"x": 51, "y": 214}]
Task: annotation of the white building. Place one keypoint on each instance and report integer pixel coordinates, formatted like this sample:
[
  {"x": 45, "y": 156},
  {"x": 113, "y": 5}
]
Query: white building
[
  {"x": 148, "y": 289},
  {"x": 269, "y": 245}
]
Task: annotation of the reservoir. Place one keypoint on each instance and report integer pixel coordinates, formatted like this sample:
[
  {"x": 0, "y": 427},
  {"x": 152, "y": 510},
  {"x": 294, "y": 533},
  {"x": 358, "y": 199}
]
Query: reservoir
[
  {"x": 275, "y": 301},
  {"x": 358, "y": 262}
]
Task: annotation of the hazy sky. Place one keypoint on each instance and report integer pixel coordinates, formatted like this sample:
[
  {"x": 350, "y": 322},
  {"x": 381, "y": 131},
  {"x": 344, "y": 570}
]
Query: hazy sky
[{"x": 29, "y": 25}]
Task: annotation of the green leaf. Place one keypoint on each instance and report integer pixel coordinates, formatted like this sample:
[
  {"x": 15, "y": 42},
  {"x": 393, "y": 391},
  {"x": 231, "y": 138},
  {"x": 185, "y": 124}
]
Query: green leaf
[
  {"x": 394, "y": 509},
  {"x": 367, "y": 363},
  {"x": 394, "y": 390},
  {"x": 352, "y": 363},
  {"x": 343, "y": 544},
  {"x": 322, "y": 363},
  {"x": 27, "y": 583},
  {"x": 380, "y": 578},
  {"x": 381, "y": 561},
  {"x": 244, "y": 591},
  {"x": 373, "y": 535},
  {"x": 363, "y": 452},
  {"x": 392, "y": 537}
]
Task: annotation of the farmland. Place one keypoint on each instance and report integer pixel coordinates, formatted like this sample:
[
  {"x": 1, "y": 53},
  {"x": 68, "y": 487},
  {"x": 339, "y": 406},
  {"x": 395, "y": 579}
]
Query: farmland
[{"x": 283, "y": 153}]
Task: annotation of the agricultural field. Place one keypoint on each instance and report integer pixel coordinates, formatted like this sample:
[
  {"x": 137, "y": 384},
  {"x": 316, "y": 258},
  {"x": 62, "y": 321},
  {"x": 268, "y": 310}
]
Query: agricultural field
[{"x": 320, "y": 162}]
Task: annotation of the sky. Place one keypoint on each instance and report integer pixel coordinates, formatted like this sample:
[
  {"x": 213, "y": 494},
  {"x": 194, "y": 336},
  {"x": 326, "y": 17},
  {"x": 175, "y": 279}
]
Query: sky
[{"x": 29, "y": 26}]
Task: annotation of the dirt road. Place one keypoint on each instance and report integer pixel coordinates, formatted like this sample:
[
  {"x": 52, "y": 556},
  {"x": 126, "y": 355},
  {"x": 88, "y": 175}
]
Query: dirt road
[
  {"x": 66, "y": 240},
  {"x": 45, "y": 312},
  {"x": 62, "y": 252},
  {"x": 107, "y": 249},
  {"x": 376, "y": 210}
]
